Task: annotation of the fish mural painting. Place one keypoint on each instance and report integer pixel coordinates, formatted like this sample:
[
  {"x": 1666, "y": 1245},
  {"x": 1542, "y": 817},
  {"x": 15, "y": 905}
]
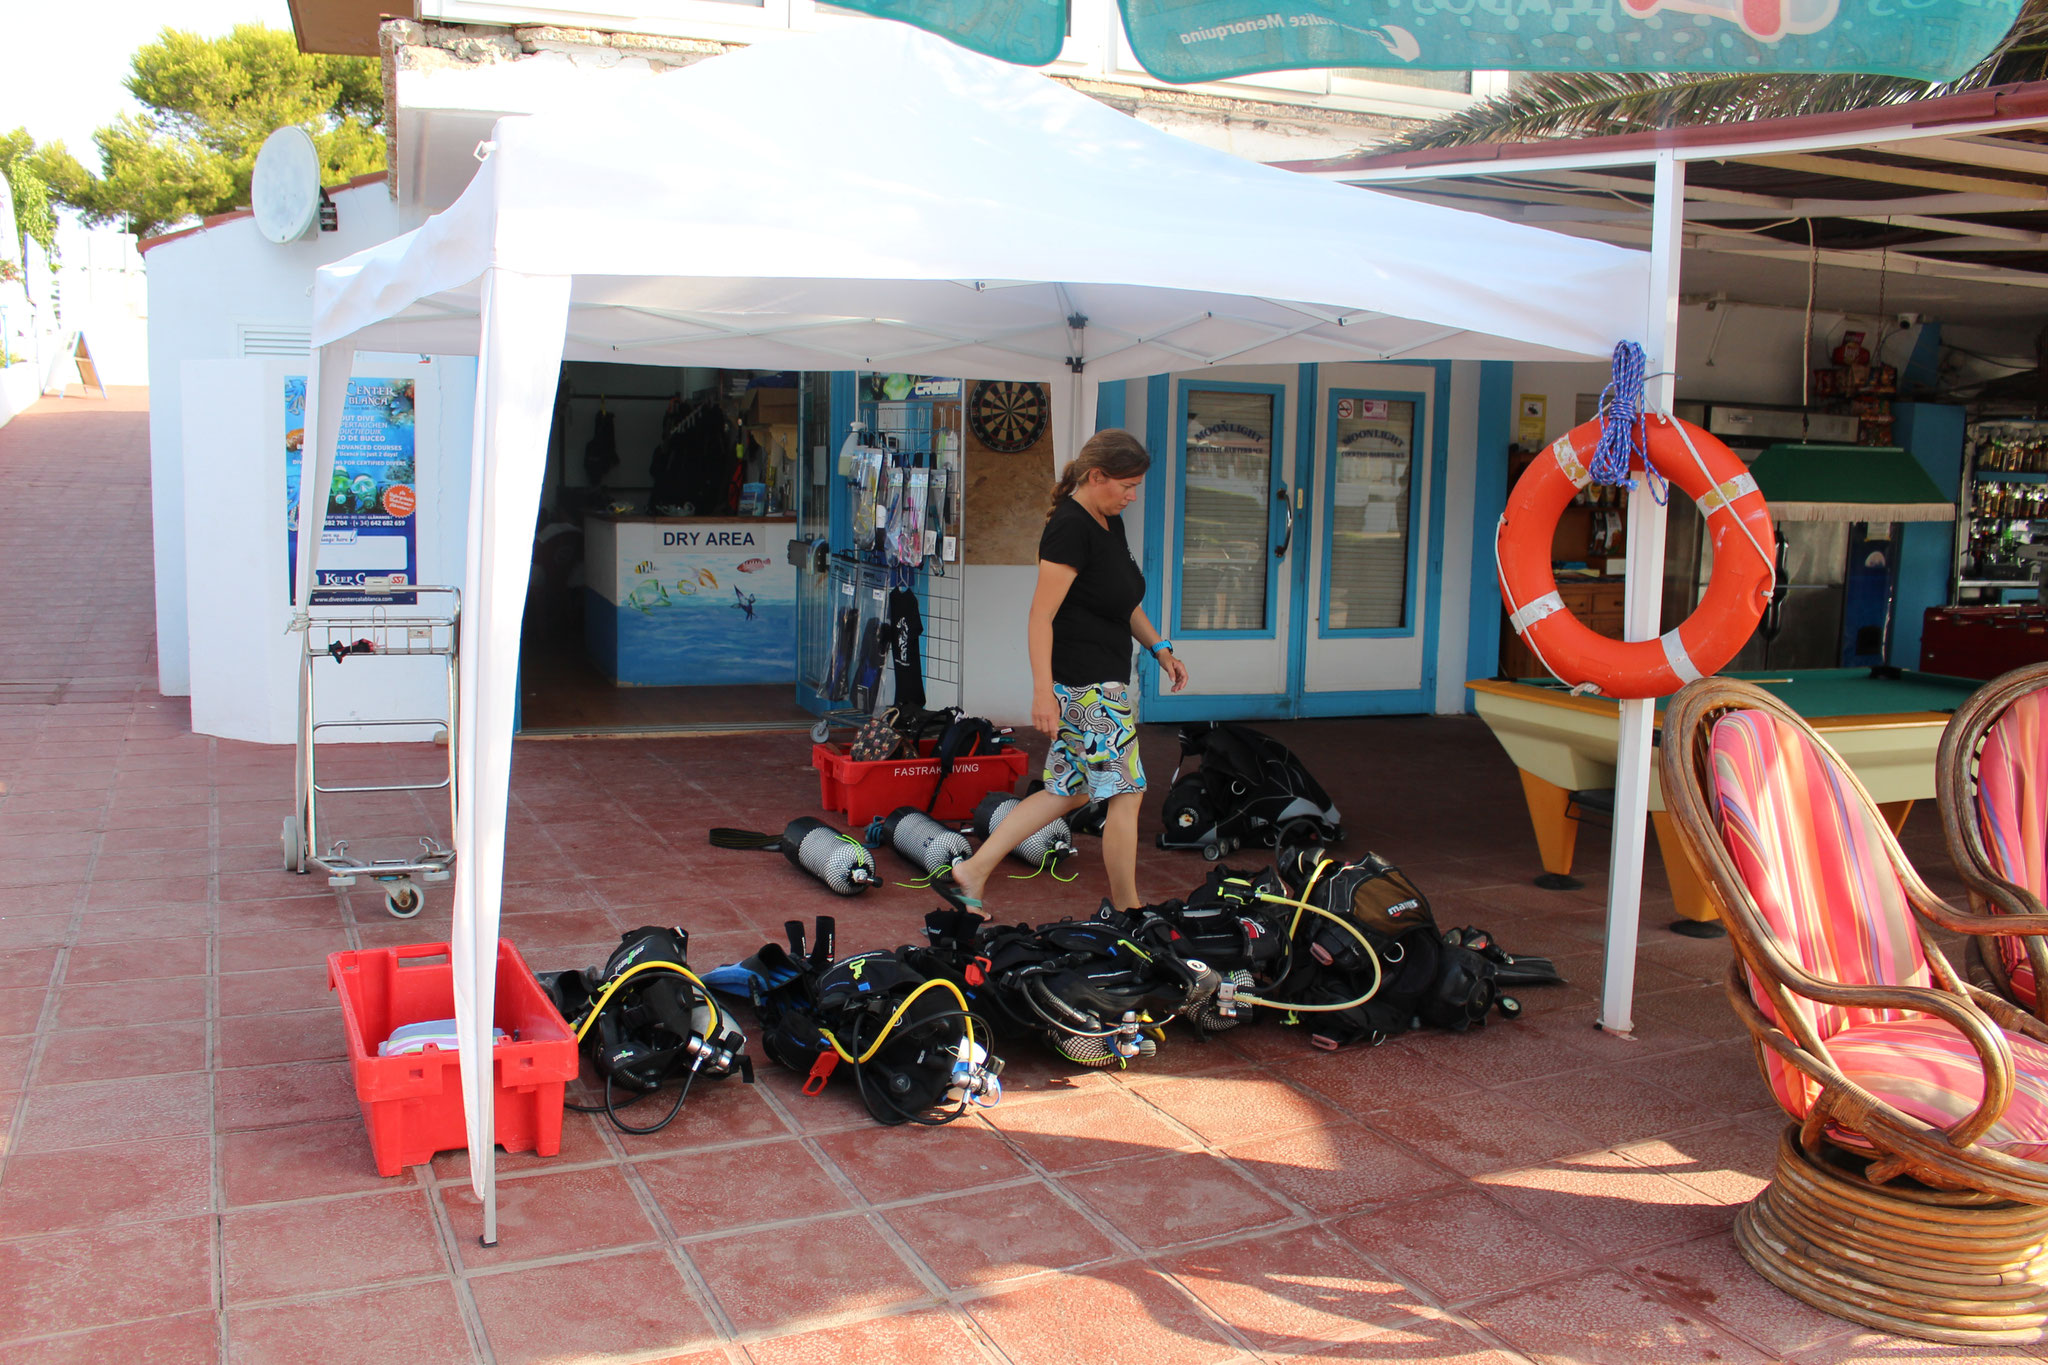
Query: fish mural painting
[{"x": 679, "y": 604}]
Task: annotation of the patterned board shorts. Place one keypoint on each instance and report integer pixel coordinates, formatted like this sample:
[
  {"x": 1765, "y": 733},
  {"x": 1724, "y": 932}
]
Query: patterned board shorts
[{"x": 1096, "y": 749}]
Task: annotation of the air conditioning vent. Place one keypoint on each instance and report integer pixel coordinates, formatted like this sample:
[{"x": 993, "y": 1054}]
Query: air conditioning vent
[{"x": 265, "y": 339}]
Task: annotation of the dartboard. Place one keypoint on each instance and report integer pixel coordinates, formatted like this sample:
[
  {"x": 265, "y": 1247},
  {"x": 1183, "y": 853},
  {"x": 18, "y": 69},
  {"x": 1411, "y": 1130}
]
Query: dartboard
[{"x": 1007, "y": 416}]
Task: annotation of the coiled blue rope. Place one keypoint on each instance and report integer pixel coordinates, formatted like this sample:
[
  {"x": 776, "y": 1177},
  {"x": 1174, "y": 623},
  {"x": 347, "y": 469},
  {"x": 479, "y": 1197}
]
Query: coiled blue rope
[{"x": 1621, "y": 433}]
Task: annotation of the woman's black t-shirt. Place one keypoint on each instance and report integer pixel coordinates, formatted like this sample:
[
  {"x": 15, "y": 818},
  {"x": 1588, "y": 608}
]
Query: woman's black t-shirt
[{"x": 1091, "y": 632}]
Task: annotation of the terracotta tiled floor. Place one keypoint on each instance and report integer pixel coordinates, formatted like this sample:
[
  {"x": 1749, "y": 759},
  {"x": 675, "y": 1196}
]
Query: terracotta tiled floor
[{"x": 186, "y": 1177}]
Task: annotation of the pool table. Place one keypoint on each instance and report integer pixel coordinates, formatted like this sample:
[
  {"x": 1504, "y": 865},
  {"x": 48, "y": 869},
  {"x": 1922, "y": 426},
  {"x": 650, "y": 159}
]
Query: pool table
[{"x": 1885, "y": 722}]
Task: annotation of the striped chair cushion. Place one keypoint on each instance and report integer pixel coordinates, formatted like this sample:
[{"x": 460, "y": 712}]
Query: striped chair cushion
[
  {"x": 2012, "y": 814},
  {"x": 1817, "y": 865},
  {"x": 1922, "y": 1066}
]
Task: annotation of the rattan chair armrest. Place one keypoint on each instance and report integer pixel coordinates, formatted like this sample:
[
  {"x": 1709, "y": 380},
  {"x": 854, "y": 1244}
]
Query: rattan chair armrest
[
  {"x": 1994, "y": 1053},
  {"x": 2005, "y": 1014},
  {"x": 2028, "y": 915}
]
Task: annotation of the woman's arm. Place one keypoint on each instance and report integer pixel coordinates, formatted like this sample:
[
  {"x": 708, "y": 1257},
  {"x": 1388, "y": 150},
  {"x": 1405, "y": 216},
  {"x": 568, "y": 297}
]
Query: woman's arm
[
  {"x": 1054, "y": 581},
  {"x": 1169, "y": 662}
]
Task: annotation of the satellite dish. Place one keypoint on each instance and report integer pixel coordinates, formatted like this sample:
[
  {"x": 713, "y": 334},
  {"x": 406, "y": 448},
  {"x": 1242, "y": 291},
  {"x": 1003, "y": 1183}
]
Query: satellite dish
[{"x": 285, "y": 189}]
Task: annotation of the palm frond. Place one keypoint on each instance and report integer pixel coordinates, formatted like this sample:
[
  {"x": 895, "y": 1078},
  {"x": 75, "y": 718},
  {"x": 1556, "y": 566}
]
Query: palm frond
[{"x": 1583, "y": 104}]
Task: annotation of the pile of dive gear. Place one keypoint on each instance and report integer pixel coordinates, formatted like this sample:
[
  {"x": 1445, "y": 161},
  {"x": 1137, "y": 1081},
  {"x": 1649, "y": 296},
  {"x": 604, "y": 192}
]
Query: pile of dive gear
[
  {"x": 1350, "y": 952},
  {"x": 643, "y": 1019}
]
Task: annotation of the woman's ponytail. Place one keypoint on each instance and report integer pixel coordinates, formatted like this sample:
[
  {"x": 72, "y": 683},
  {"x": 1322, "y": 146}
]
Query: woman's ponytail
[{"x": 1117, "y": 453}]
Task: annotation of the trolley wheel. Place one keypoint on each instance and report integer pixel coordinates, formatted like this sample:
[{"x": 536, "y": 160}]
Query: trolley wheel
[
  {"x": 404, "y": 900},
  {"x": 1212, "y": 852},
  {"x": 292, "y": 845},
  {"x": 821, "y": 732}
]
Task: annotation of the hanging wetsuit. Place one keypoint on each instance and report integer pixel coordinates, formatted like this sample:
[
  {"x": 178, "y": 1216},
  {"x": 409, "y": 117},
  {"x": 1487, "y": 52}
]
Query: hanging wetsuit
[{"x": 908, "y": 657}]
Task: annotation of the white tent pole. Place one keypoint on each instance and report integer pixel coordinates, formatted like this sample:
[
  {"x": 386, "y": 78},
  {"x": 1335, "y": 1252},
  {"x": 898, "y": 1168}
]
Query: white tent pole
[
  {"x": 1074, "y": 405},
  {"x": 518, "y": 369},
  {"x": 326, "y": 397},
  {"x": 1642, "y": 612}
]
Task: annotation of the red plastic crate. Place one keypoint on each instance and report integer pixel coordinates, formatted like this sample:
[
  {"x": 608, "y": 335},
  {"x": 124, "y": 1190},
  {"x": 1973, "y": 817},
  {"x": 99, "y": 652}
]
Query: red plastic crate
[
  {"x": 864, "y": 791},
  {"x": 412, "y": 1104}
]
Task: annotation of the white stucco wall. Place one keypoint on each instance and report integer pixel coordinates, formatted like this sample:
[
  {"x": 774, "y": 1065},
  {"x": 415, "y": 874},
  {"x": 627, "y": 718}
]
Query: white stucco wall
[
  {"x": 204, "y": 287},
  {"x": 244, "y": 666}
]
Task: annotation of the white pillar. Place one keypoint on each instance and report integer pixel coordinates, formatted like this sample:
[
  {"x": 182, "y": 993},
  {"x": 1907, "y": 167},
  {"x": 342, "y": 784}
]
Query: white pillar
[
  {"x": 1642, "y": 611},
  {"x": 518, "y": 369}
]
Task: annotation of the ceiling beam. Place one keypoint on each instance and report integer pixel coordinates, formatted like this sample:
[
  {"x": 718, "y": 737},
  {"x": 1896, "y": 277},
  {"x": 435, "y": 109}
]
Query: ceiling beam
[
  {"x": 1901, "y": 175},
  {"x": 1956, "y": 226},
  {"x": 1995, "y": 153},
  {"x": 1724, "y": 242},
  {"x": 1693, "y": 193}
]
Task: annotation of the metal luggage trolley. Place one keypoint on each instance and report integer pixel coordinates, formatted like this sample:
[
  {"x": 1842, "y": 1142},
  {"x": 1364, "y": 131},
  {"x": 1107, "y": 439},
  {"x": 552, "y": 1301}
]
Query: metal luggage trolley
[{"x": 369, "y": 633}]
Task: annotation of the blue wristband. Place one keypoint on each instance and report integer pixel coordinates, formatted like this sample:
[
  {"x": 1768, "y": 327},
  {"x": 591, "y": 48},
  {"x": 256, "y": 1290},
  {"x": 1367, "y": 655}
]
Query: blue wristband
[{"x": 1163, "y": 643}]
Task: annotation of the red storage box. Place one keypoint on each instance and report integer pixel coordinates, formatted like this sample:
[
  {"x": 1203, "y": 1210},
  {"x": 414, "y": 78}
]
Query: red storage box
[
  {"x": 413, "y": 1104},
  {"x": 863, "y": 791}
]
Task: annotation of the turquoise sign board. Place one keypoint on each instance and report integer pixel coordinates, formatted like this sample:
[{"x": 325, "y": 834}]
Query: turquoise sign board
[{"x": 1204, "y": 40}]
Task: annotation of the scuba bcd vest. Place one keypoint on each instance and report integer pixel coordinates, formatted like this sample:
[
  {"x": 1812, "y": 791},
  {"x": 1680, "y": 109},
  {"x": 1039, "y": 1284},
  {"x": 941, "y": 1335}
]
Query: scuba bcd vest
[
  {"x": 644, "y": 1018},
  {"x": 917, "y": 1054},
  {"x": 1377, "y": 926},
  {"x": 1098, "y": 991}
]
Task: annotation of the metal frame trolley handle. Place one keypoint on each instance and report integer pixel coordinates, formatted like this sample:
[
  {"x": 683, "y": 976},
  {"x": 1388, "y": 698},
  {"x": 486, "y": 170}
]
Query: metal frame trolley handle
[{"x": 368, "y": 633}]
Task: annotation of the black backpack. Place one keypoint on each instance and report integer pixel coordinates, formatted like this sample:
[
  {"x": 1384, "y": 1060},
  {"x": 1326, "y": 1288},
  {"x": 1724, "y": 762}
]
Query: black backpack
[{"x": 962, "y": 737}]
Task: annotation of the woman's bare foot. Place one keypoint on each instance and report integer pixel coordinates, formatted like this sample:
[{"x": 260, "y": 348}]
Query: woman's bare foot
[{"x": 968, "y": 882}]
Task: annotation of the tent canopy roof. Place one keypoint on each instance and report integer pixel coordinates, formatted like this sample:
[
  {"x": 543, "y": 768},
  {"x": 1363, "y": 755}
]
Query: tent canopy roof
[{"x": 879, "y": 198}]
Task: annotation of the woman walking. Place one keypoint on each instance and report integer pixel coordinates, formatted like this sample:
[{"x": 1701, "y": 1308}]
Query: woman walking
[{"x": 1085, "y": 612}]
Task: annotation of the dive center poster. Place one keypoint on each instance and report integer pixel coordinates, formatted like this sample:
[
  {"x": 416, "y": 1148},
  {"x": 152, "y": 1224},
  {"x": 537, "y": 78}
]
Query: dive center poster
[{"x": 371, "y": 527}]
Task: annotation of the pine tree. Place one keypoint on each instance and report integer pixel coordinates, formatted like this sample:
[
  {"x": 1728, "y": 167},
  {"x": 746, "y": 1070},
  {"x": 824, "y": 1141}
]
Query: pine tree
[{"x": 208, "y": 104}]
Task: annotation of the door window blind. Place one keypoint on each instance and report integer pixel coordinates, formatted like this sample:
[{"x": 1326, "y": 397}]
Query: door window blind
[
  {"x": 1368, "y": 560},
  {"x": 1227, "y": 494}
]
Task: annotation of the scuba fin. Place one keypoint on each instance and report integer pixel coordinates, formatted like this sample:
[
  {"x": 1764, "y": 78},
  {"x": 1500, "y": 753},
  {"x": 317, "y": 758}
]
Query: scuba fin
[
  {"x": 745, "y": 838},
  {"x": 764, "y": 971},
  {"x": 1510, "y": 969}
]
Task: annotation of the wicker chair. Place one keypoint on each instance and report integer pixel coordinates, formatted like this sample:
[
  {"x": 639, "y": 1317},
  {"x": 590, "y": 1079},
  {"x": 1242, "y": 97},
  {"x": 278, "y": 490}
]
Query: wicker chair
[
  {"x": 1911, "y": 1194},
  {"x": 1992, "y": 784}
]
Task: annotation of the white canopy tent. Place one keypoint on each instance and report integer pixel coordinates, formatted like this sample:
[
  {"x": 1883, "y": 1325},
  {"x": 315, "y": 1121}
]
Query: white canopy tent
[{"x": 880, "y": 199}]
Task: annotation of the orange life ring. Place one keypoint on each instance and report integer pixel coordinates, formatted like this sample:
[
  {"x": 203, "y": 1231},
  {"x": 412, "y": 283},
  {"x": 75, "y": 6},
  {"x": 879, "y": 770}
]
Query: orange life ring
[{"x": 1737, "y": 520}]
